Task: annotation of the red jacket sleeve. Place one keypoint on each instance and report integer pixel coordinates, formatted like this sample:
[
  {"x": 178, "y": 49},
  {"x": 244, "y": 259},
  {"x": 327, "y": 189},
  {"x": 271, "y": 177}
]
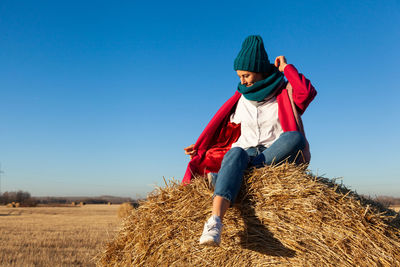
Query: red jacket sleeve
[
  {"x": 303, "y": 91},
  {"x": 208, "y": 138}
]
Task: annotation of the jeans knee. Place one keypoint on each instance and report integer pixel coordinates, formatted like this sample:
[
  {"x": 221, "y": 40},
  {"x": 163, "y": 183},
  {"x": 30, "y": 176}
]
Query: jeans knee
[
  {"x": 301, "y": 140},
  {"x": 297, "y": 139}
]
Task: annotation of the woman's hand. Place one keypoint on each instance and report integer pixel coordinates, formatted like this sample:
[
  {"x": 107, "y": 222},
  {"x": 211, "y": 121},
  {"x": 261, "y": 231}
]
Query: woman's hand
[
  {"x": 280, "y": 63},
  {"x": 190, "y": 151}
]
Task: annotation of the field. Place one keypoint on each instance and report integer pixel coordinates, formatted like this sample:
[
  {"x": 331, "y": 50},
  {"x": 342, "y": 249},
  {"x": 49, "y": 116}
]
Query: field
[
  {"x": 396, "y": 208},
  {"x": 55, "y": 236}
]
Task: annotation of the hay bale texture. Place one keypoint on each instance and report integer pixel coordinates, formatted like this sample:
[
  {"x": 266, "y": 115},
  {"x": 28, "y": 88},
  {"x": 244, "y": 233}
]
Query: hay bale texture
[{"x": 284, "y": 216}]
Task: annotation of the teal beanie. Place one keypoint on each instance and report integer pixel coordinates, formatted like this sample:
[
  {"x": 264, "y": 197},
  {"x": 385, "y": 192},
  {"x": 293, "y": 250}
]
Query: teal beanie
[{"x": 252, "y": 57}]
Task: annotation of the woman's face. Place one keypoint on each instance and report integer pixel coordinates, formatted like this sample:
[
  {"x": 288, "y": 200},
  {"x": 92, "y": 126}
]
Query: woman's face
[{"x": 248, "y": 78}]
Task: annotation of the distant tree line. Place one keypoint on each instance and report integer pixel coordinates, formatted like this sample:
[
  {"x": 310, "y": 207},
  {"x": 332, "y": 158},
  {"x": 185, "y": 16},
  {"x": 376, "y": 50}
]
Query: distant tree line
[
  {"x": 22, "y": 197},
  {"x": 86, "y": 200},
  {"x": 388, "y": 201},
  {"x": 25, "y": 199}
]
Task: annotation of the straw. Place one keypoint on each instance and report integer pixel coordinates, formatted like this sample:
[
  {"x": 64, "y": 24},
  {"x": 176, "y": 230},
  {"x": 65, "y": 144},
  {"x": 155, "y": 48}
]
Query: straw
[{"x": 284, "y": 216}]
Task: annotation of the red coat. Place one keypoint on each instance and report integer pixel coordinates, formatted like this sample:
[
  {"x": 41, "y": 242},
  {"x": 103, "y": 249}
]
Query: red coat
[{"x": 217, "y": 138}]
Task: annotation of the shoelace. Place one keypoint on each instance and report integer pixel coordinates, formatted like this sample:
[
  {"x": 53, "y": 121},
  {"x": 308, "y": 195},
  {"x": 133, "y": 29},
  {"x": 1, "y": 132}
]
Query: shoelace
[{"x": 212, "y": 226}]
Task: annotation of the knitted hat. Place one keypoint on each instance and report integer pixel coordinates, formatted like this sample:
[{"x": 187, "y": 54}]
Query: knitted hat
[{"x": 252, "y": 56}]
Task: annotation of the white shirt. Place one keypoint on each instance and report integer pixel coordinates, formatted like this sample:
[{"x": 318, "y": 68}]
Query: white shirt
[{"x": 259, "y": 121}]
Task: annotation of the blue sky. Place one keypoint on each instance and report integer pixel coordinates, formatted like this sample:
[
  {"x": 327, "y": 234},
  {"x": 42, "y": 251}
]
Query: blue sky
[{"x": 101, "y": 97}]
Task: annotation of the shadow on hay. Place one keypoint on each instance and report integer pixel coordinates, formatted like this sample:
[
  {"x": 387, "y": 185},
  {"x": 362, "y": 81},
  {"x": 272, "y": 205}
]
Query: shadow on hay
[
  {"x": 258, "y": 238},
  {"x": 365, "y": 201}
]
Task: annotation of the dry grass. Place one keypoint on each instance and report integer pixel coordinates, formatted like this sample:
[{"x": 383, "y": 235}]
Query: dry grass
[
  {"x": 125, "y": 209},
  {"x": 284, "y": 217},
  {"x": 55, "y": 236}
]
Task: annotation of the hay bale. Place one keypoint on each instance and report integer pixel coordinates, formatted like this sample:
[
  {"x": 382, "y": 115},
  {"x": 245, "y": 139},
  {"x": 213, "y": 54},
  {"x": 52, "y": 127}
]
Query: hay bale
[
  {"x": 125, "y": 209},
  {"x": 284, "y": 216}
]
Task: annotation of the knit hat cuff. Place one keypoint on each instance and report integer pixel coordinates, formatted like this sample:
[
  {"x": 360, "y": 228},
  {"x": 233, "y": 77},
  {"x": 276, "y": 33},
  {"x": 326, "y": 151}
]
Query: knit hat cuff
[{"x": 252, "y": 65}]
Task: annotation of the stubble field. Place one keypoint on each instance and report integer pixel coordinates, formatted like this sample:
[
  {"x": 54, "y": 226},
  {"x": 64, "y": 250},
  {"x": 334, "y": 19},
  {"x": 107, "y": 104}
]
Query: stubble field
[
  {"x": 396, "y": 208},
  {"x": 55, "y": 236}
]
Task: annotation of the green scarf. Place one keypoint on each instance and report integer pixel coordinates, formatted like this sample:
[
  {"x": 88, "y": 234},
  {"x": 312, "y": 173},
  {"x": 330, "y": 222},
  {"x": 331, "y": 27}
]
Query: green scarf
[{"x": 262, "y": 89}]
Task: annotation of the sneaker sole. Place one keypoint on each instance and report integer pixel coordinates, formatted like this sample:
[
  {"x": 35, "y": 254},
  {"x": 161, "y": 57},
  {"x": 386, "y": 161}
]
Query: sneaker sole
[{"x": 209, "y": 243}]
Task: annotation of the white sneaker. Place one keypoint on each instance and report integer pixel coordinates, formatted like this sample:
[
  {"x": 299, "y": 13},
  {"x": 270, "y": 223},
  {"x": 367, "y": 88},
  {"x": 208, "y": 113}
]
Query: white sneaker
[{"x": 212, "y": 232}]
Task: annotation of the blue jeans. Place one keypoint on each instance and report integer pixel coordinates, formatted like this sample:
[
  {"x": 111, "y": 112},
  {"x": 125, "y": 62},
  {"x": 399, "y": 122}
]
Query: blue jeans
[{"x": 230, "y": 176}]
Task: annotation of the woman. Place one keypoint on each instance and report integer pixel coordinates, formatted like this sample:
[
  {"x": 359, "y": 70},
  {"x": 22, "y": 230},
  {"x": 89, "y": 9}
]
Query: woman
[{"x": 257, "y": 126}]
